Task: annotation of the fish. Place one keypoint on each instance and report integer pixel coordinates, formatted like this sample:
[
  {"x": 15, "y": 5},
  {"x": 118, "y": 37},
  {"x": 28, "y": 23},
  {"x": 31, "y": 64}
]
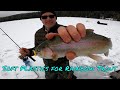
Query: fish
[{"x": 90, "y": 45}]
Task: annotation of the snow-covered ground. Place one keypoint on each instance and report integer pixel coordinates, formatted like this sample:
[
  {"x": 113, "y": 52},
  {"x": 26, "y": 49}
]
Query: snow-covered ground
[{"x": 22, "y": 32}]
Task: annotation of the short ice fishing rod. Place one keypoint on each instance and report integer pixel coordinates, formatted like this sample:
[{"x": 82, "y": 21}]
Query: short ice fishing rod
[
  {"x": 18, "y": 45},
  {"x": 25, "y": 59}
]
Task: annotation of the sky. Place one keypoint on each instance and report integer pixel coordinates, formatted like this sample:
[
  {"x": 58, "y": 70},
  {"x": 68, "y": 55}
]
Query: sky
[{"x": 22, "y": 32}]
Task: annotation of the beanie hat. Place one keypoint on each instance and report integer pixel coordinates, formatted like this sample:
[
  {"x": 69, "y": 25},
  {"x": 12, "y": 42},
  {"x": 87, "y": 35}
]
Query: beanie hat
[{"x": 42, "y": 12}]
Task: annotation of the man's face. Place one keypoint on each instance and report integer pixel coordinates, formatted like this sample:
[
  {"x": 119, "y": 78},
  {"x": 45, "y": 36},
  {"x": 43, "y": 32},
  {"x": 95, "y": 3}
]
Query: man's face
[{"x": 48, "y": 19}]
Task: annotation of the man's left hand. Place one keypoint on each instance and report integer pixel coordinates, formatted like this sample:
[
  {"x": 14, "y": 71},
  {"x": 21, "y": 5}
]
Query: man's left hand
[{"x": 70, "y": 33}]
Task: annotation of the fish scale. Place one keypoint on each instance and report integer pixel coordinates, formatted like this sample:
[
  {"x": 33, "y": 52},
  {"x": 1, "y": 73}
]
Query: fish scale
[{"x": 91, "y": 44}]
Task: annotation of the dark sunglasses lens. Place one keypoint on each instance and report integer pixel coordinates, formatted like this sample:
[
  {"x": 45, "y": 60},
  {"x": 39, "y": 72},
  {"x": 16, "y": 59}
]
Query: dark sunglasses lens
[
  {"x": 50, "y": 16},
  {"x": 44, "y": 17}
]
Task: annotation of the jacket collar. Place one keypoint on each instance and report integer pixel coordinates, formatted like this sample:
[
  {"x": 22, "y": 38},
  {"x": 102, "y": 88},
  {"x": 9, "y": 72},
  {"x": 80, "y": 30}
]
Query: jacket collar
[{"x": 52, "y": 29}]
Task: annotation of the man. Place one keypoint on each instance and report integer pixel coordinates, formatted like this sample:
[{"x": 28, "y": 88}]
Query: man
[{"x": 49, "y": 30}]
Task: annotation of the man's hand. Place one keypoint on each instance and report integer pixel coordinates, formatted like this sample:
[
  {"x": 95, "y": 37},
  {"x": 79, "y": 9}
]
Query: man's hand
[
  {"x": 51, "y": 35},
  {"x": 24, "y": 52},
  {"x": 69, "y": 33}
]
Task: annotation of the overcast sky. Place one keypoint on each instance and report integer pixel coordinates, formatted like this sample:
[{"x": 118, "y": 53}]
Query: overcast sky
[{"x": 8, "y": 13}]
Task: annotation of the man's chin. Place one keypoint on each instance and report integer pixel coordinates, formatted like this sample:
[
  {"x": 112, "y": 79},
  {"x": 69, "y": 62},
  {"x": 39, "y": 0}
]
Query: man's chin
[{"x": 50, "y": 26}]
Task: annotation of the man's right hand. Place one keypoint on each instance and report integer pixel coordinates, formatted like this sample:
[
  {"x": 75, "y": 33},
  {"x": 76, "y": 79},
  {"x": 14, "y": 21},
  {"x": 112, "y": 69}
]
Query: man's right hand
[{"x": 24, "y": 52}]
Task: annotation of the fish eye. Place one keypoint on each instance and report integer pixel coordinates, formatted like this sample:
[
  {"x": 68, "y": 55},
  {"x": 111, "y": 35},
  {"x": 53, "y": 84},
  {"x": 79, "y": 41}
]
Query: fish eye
[
  {"x": 38, "y": 50},
  {"x": 40, "y": 53}
]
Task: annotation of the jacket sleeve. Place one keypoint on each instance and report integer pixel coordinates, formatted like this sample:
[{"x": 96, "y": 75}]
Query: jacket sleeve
[{"x": 39, "y": 38}]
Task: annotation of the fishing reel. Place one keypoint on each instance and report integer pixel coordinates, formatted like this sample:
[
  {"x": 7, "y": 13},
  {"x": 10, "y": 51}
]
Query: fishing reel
[{"x": 23, "y": 58}]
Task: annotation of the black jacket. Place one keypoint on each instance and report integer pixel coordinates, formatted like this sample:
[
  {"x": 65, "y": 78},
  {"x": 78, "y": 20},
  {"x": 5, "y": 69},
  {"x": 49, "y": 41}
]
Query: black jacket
[{"x": 40, "y": 37}]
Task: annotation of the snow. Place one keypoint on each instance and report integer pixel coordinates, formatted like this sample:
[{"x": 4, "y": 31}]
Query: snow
[{"x": 22, "y": 32}]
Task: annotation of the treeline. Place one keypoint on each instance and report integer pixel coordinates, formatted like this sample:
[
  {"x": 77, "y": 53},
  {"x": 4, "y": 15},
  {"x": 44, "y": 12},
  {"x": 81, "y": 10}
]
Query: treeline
[
  {"x": 92, "y": 14},
  {"x": 115, "y": 15},
  {"x": 20, "y": 16}
]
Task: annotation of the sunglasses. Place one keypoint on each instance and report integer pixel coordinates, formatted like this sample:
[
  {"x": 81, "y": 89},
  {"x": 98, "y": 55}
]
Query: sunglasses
[{"x": 50, "y": 16}]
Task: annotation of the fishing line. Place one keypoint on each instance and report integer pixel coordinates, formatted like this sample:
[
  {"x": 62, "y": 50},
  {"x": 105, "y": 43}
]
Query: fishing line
[
  {"x": 16, "y": 43},
  {"x": 24, "y": 59}
]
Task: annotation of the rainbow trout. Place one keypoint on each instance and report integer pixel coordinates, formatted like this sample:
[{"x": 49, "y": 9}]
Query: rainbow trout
[{"x": 91, "y": 44}]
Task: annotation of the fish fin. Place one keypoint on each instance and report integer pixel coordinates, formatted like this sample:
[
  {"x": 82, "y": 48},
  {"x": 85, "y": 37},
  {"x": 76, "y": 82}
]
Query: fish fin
[
  {"x": 90, "y": 30},
  {"x": 70, "y": 55},
  {"x": 107, "y": 53},
  {"x": 95, "y": 57},
  {"x": 54, "y": 56}
]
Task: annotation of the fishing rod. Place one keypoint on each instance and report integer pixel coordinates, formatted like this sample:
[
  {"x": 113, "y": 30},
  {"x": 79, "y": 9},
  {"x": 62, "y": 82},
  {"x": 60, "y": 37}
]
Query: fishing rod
[
  {"x": 25, "y": 58},
  {"x": 18, "y": 46}
]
